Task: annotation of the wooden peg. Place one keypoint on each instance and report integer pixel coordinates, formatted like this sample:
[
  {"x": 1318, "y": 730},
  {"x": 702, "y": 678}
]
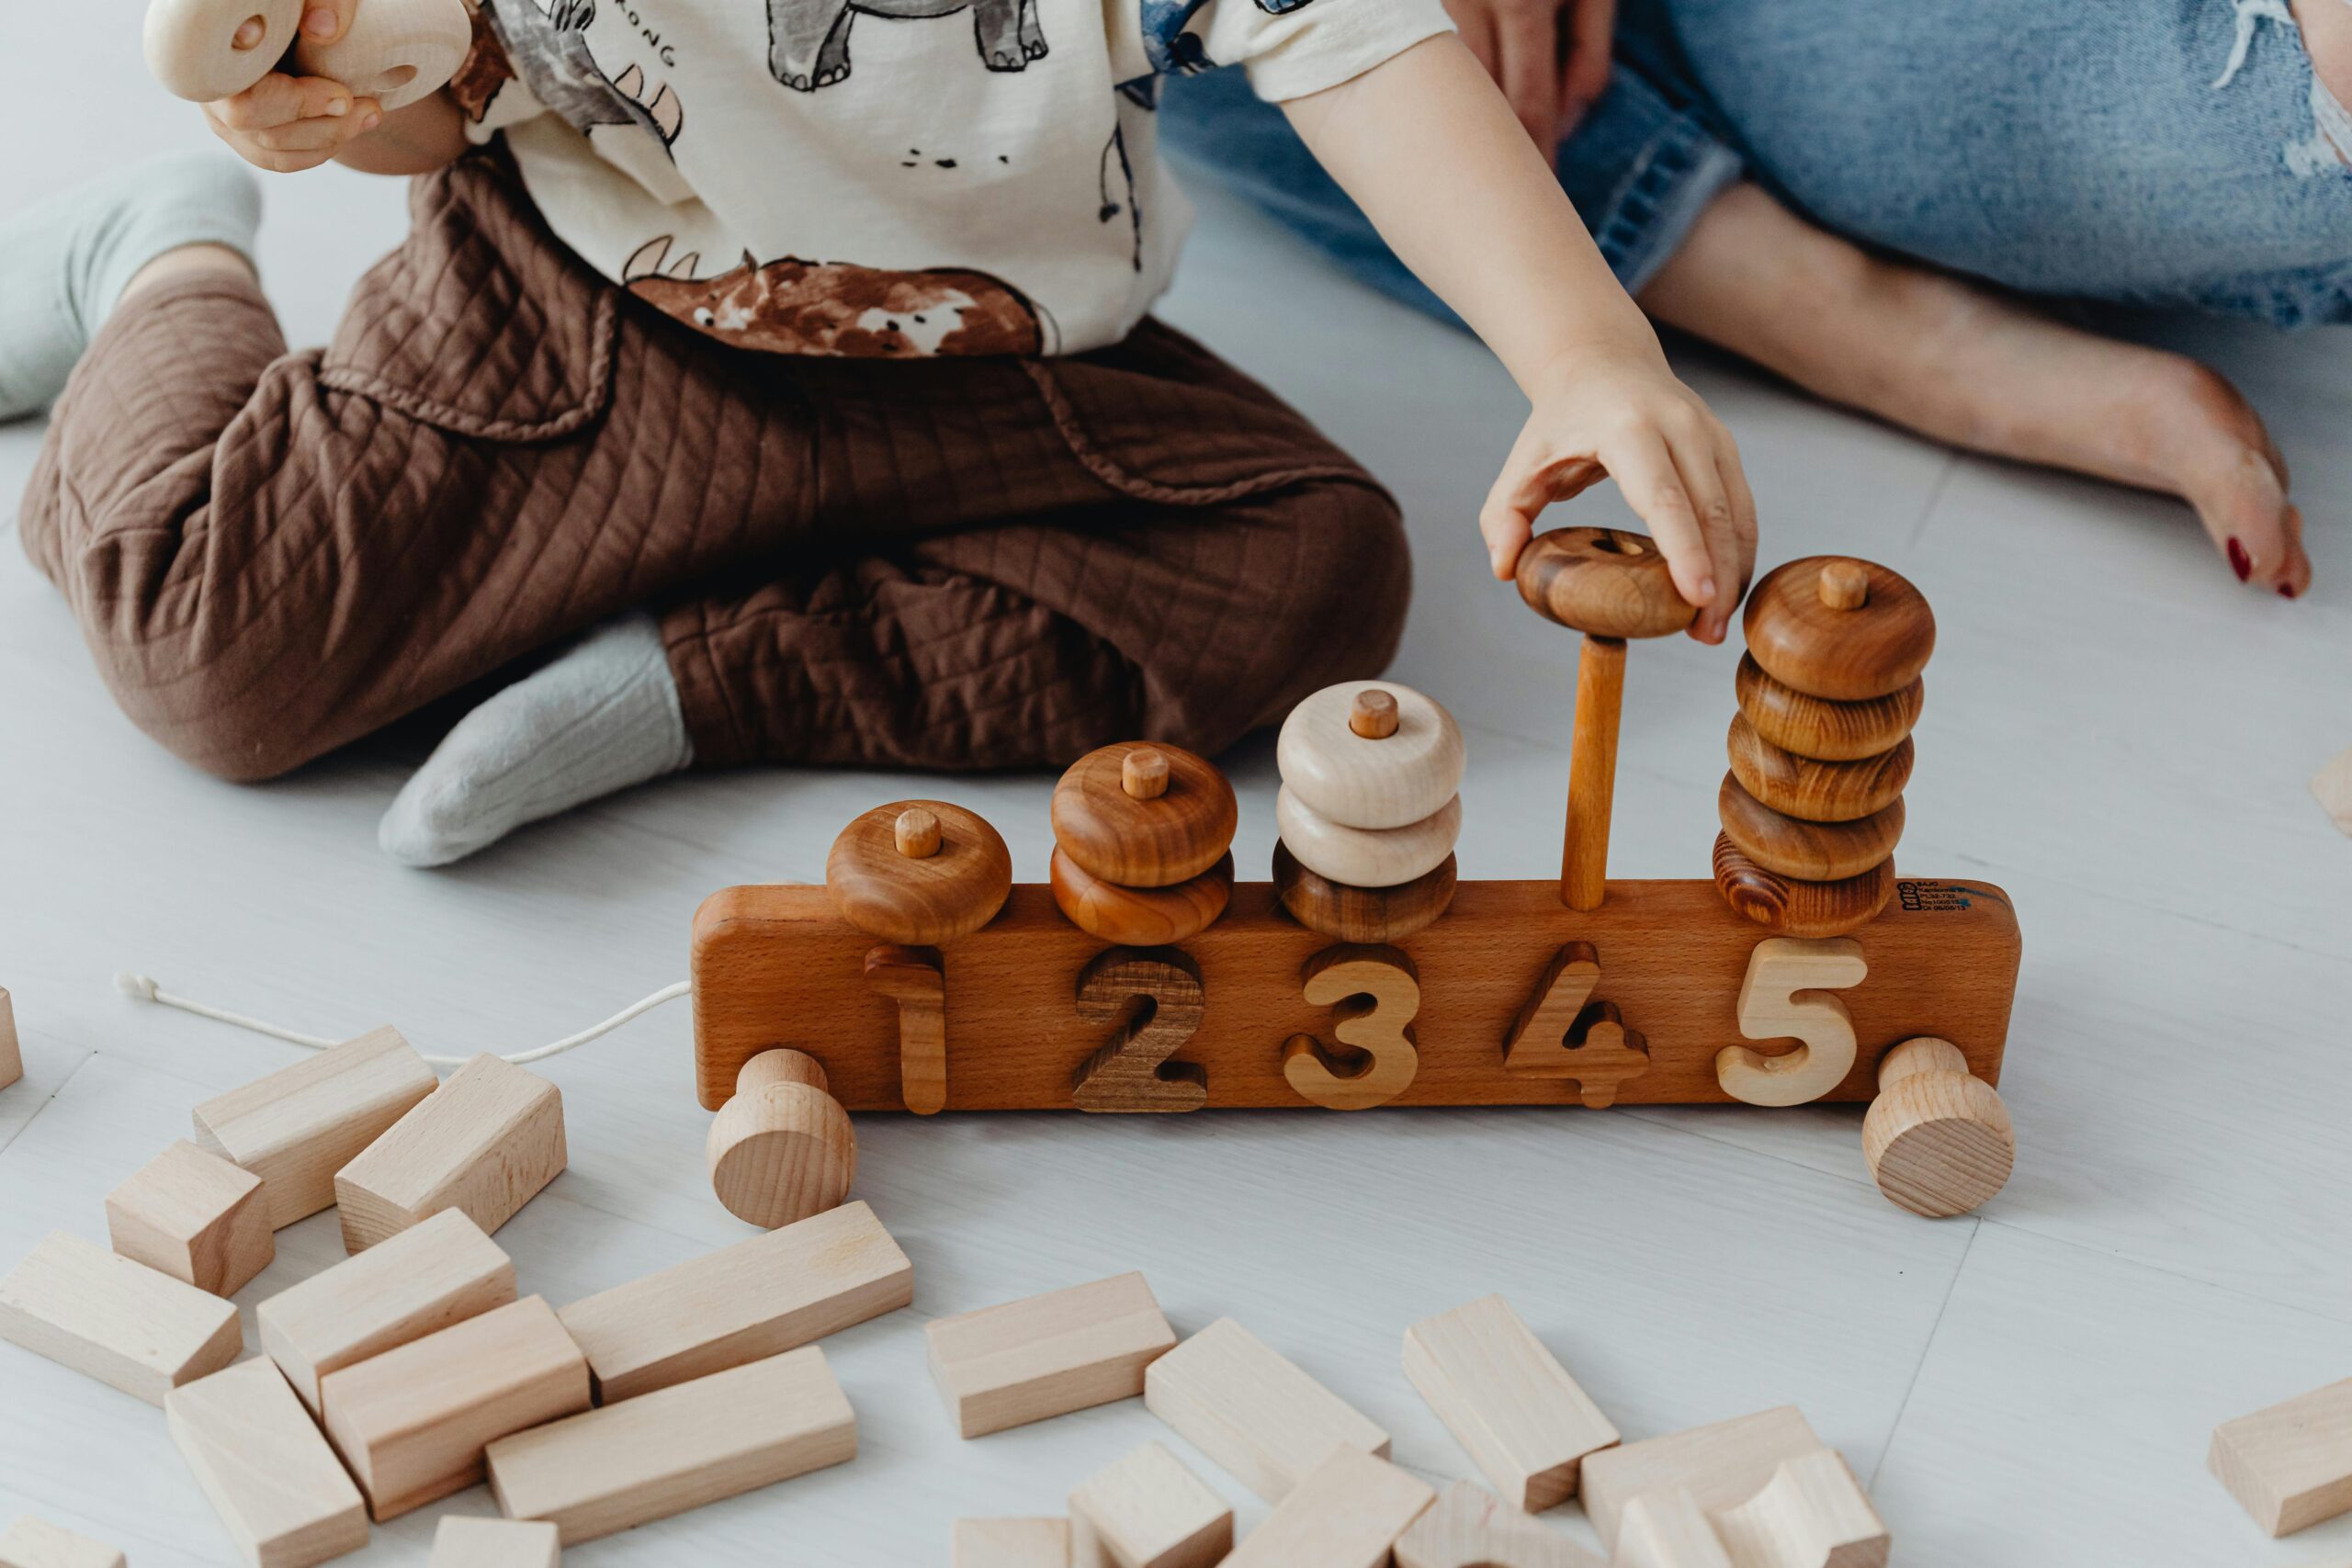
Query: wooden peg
[
  {"x": 1786, "y": 995},
  {"x": 194, "y": 1216},
  {"x": 1148, "y": 1511},
  {"x": 2290, "y": 1466},
  {"x": 488, "y": 1141},
  {"x": 1938, "y": 1139},
  {"x": 1592, "y": 772},
  {"x": 1372, "y": 714},
  {"x": 916, "y": 979},
  {"x": 1143, "y": 774},
  {"x": 1155, "y": 998},
  {"x": 1376, "y": 992},
  {"x": 35, "y": 1544},
  {"x": 1469, "y": 1526},
  {"x": 1845, "y": 584},
  {"x": 1045, "y": 1356},
  {"x": 782, "y": 1148},
  {"x": 916, "y": 832}
]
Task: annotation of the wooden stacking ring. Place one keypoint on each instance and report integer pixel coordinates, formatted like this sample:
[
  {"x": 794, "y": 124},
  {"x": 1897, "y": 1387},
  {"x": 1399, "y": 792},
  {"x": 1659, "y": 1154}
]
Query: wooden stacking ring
[
  {"x": 1155, "y": 842},
  {"x": 1361, "y": 914},
  {"x": 1815, "y": 851},
  {"x": 1602, "y": 581},
  {"x": 1791, "y": 907},
  {"x": 1360, "y": 857},
  {"x": 1873, "y": 648},
  {"x": 1141, "y": 917},
  {"x": 1811, "y": 791},
  {"x": 1938, "y": 1139},
  {"x": 1371, "y": 782},
  {"x": 1826, "y": 731},
  {"x": 919, "y": 900}
]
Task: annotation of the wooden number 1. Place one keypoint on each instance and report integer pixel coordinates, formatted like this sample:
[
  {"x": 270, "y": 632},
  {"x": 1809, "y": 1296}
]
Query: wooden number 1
[
  {"x": 1375, "y": 992},
  {"x": 1785, "y": 996},
  {"x": 915, "y": 978},
  {"x": 1156, "y": 997}
]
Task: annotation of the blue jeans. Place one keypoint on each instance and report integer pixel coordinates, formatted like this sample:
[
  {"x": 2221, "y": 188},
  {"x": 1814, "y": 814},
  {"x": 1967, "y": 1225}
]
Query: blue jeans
[{"x": 2141, "y": 153}]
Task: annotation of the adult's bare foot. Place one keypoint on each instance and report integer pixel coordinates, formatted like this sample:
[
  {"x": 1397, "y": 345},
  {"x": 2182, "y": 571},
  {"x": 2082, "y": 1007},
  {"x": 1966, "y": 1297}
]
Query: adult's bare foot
[{"x": 1966, "y": 366}]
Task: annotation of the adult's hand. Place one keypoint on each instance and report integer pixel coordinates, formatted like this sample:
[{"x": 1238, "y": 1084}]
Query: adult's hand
[{"x": 1549, "y": 57}]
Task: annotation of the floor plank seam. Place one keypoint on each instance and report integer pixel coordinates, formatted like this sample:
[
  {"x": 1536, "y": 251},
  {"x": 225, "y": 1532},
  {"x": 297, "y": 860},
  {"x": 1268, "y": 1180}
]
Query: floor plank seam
[
  {"x": 2130, "y": 1261},
  {"x": 1935, "y": 495},
  {"x": 1927, "y": 1349},
  {"x": 47, "y": 1100}
]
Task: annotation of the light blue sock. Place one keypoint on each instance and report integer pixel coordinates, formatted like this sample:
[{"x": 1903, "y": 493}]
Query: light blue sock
[{"x": 65, "y": 261}]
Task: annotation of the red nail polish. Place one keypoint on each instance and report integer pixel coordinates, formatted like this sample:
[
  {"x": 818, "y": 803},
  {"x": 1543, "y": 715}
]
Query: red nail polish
[
  {"x": 2240, "y": 562},
  {"x": 2286, "y": 590}
]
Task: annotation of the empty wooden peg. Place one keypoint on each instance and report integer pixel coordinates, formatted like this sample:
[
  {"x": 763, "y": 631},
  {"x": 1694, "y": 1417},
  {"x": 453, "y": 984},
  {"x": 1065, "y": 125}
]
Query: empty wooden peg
[
  {"x": 916, "y": 979},
  {"x": 782, "y": 1148},
  {"x": 1938, "y": 1138}
]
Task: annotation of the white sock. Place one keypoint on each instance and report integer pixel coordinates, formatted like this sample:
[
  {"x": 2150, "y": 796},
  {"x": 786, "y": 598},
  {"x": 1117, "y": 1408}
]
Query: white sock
[
  {"x": 65, "y": 261},
  {"x": 600, "y": 718}
]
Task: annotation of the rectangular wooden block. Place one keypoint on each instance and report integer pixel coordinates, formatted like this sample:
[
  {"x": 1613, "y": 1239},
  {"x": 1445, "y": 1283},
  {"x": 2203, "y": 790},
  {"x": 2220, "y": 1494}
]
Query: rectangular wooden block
[
  {"x": 2332, "y": 788},
  {"x": 418, "y": 1282},
  {"x": 297, "y": 1127},
  {"x": 1469, "y": 1526},
  {"x": 37, "y": 1543},
  {"x": 1507, "y": 1400},
  {"x": 678, "y": 1448},
  {"x": 1348, "y": 1512},
  {"x": 1011, "y": 1544},
  {"x": 2289, "y": 1465},
  {"x": 193, "y": 1215},
  {"x": 1148, "y": 1511},
  {"x": 461, "y": 1542},
  {"x": 485, "y": 1141},
  {"x": 1251, "y": 1410},
  {"x": 280, "y": 1492},
  {"x": 119, "y": 1322},
  {"x": 1720, "y": 1464},
  {"x": 12, "y": 1057},
  {"x": 1045, "y": 1356},
  {"x": 414, "y": 1422},
  {"x": 745, "y": 1302}
]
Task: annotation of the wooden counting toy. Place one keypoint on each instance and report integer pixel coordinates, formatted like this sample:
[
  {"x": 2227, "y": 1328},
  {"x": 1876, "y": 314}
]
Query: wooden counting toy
[
  {"x": 395, "y": 51},
  {"x": 1143, "y": 979}
]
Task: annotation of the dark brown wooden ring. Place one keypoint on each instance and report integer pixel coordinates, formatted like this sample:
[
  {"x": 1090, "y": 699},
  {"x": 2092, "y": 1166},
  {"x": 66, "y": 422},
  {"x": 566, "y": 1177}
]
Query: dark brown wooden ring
[
  {"x": 1816, "y": 851},
  {"x": 926, "y": 901},
  {"x": 1816, "y": 728},
  {"x": 1141, "y": 917},
  {"x": 1603, "y": 581},
  {"x": 1814, "y": 791},
  {"x": 1791, "y": 908},
  {"x": 1170, "y": 837},
  {"x": 1361, "y": 914},
  {"x": 1846, "y": 655}
]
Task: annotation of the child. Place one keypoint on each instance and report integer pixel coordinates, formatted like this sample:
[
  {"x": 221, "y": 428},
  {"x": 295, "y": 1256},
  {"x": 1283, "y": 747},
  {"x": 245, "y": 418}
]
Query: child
[{"x": 632, "y": 374}]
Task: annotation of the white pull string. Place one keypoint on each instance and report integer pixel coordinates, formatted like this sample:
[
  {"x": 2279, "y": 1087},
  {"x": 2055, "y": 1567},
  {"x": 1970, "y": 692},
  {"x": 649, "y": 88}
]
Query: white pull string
[{"x": 142, "y": 988}]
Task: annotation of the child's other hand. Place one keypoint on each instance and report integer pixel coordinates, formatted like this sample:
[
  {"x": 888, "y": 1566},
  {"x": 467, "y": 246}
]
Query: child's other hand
[
  {"x": 1620, "y": 414},
  {"x": 287, "y": 124},
  {"x": 1551, "y": 58}
]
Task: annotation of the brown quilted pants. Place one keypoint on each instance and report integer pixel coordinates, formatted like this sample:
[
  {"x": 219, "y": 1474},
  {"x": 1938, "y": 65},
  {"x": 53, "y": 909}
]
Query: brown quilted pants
[{"x": 969, "y": 564}]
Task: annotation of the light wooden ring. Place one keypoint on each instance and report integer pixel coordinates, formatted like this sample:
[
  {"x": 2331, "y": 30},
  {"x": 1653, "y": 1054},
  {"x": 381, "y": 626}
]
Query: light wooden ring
[
  {"x": 1141, "y": 917},
  {"x": 1813, "y": 791},
  {"x": 1361, "y": 914},
  {"x": 1814, "y": 851},
  {"x": 919, "y": 901},
  {"x": 396, "y": 51},
  {"x": 1358, "y": 781},
  {"x": 191, "y": 44},
  {"x": 1159, "y": 842},
  {"x": 1846, "y": 656},
  {"x": 1791, "y": 907},
  {"x": 1816, "y": 728},
  {"x": 1358, "y": 857},
  {"x": 1602, "y": 581}
]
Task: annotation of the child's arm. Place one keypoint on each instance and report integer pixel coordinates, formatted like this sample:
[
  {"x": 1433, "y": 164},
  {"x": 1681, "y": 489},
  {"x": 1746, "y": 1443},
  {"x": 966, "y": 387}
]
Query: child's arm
[
  {"x": 1432, "y": 153},
  {"x": 287, "y": 124}
]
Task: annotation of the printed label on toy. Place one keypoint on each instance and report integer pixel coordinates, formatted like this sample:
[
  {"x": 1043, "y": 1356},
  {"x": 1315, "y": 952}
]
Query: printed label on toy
[{"x": 1943, "y": 897}]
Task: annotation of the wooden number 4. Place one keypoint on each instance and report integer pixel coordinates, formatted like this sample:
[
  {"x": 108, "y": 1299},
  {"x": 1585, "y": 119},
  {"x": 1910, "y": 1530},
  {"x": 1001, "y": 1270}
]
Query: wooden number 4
[
  {"x": 1563, "y": 1033},
  {"x": 1375, "y": 992},
  {"x": 1787, "y": 996},
  {"x": 1156, "y": 997}
]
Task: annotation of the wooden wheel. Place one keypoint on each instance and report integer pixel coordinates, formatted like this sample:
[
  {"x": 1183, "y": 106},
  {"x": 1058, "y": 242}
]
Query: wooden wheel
[
  {"x": 782, "y": 1148},
  {"x": 1938, "y": 1139}
]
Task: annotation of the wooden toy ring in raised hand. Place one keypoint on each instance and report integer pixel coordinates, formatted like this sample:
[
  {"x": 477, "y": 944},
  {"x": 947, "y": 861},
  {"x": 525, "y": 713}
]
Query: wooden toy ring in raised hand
[
  {"x": 395, "y": 51},
  {"x": 1603, "y": 582}
]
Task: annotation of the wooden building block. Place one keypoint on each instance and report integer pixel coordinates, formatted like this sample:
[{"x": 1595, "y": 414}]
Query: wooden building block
[
  {"x": 461, "y": 1542},
  {"x": 1720, "y": 1465},
  {"x": 745, "y": 1302},
  {"x": 2331, "y": 786},
  {"x": 412, "y": 1423},
  {"x": 421, "y": 1281},
  {"x": 1471, "y": 1528},
  {"x": 12, "y": 1058},
  {"x": 1027, "y": 1361},
  {"x": 195, "y": 1216},
  {"x": 2289, "y": 1465},
  {"x": 1507, "y": 1400},
  {"x": 1228, "y": 1394},
  {"x": 1811, "y": 1514},
  {"x": 37, "y": 1543},
  {"x": 1347, "y": 1513},
  {"x": 297, "y": 1127},
  {"x": 119, "y": 1322},
  {"x": 1148, "y": 1511},
  {"x": 484, "y": 1142},
  {"x": 280, "y": 1492},
  {"x": 1011, "y": 1544},
  {"x": 677, "y": 1449}
]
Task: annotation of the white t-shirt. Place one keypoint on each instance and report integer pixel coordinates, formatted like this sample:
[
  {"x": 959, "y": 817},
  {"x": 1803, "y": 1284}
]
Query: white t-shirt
[{"x": 889, "y": 179}]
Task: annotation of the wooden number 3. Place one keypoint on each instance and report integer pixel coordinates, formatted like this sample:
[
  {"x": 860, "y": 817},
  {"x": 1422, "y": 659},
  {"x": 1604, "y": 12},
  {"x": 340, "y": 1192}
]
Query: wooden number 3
[
  {"x": 1132, "y": 1072},
  {"x": 1375, "y": 992},
  {"x": 1786, "y": 995}
]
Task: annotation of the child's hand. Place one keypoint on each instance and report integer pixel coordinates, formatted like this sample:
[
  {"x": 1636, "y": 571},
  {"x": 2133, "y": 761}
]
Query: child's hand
[
  {"x": 1620, "y": 413},
  {"x": 287, "y": 124}
]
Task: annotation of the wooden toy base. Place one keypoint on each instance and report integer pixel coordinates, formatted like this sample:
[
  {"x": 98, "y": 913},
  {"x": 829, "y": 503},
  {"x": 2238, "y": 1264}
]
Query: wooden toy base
[{"x": 775, "y": 965}]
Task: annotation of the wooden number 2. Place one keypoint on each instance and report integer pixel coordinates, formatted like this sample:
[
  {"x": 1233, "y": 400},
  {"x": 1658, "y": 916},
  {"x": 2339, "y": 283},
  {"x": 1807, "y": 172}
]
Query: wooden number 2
[
  {"x": 1786, "y": 995},
  {"x": 1375, "y": 992},
  {"x": 1132, "y": 1072}
]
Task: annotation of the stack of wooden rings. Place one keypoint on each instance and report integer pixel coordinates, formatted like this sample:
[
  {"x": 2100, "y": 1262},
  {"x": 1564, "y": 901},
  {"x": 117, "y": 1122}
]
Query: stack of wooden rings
[
  {"x": 1821, "y": 748},
  {"x": 1142, "y": 840},
  {"x": 1370, "y": 810}
]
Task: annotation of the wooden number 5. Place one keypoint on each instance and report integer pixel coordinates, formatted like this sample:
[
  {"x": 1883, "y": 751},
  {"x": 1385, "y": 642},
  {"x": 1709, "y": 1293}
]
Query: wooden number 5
[
  {"x": 1375, "y": 991},
  {"x": 1786, "y": 995},
  {"x": 1132, "y": 1072}
]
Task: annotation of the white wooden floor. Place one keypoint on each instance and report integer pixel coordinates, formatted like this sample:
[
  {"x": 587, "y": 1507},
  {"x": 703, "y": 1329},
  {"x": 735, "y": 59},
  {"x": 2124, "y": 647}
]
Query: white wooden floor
[{"x": 2116, "y": 733}]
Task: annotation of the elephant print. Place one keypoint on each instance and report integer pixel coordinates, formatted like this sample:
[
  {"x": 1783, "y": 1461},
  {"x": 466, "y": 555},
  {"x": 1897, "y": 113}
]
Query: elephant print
[
  {"x": 838, "y": 308},
  {"x": 808, "y": 39}
]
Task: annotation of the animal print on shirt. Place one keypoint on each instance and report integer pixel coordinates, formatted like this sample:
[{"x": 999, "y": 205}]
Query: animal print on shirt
[
  {"x": 546, "y": 44},
  {"x": 791, "y": 306},
  {"x": 808, "y": 39}
]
